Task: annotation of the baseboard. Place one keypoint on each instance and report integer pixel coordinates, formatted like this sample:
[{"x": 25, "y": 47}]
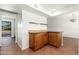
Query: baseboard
[
  {"x": 19, "y": 46},
  {"x": 24, "y": 48},
  {"x": 70, "y": 37}
]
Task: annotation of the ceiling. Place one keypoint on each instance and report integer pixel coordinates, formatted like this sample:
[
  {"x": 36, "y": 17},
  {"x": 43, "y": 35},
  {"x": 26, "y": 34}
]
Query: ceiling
[
  {"x": 52, "y": 7},
  {"x": 43, "y": 9},
  {"x": 55, "y": 9}
]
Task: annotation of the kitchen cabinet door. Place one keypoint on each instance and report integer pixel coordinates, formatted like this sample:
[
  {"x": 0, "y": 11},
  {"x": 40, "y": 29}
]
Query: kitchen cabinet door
[
  {"x": 54, "y": 39},
  {"x": 38, "y": 41}
]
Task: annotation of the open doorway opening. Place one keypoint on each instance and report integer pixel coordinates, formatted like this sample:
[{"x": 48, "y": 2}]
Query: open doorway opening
[{"x": 6, "y": 29}]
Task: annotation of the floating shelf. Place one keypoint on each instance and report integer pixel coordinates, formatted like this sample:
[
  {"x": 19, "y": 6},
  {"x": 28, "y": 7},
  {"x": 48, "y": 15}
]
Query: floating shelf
[
  {"x": 42, "y": 24},
  {"x": 33, "y": 23},
  {"x": 37, "y": 23}
]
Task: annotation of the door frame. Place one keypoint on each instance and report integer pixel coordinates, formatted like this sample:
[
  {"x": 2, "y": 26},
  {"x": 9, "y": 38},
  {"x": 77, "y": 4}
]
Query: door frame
[{"x": 12, "y": 26}]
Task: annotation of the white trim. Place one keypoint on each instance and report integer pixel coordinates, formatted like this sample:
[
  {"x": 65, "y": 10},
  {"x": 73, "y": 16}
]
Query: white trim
[
  {"x": 62, "y": 41},
  {"x": 71, "y": 37},
  {"x": 12, "y": 25}
]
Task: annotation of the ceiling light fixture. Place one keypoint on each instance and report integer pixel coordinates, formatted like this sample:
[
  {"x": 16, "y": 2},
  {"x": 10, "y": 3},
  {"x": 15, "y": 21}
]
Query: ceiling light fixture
[{"x": 73, "y": 19}]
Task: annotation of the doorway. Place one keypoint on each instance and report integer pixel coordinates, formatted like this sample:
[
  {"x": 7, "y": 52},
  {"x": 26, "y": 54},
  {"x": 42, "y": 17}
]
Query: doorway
[{"x": 6, "y": 29}]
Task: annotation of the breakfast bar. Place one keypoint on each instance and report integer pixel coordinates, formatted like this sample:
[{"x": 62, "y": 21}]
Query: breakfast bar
[{"x": 38, "y": 39}]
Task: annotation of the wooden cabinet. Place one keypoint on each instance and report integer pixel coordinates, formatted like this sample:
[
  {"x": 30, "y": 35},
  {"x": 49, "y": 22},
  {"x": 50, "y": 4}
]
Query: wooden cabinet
[
  {"x": 37, "y": 40},
  {"x": 45, "y": 38},
  {"x": 54, "y": 38}
]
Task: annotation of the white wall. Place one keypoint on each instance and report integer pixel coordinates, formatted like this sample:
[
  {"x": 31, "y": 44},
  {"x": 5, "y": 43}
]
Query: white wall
[
  {"x": 62, "y": 23},
  {"x": 16, "y": 19},
  {"x": 31, "y": 17},
  {"x": 19, "y": 30},
  {"x": 5, "y": 16},
  {"x": 21, "y": 26}
]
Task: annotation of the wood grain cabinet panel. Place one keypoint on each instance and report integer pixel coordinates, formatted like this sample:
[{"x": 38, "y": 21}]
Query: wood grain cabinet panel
[
  {"x": 54, "y": 39},
  {"x": 31, "y": 40},
  {"x": 45, "y": 38},
  {"x": 38, "y": 40}
]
